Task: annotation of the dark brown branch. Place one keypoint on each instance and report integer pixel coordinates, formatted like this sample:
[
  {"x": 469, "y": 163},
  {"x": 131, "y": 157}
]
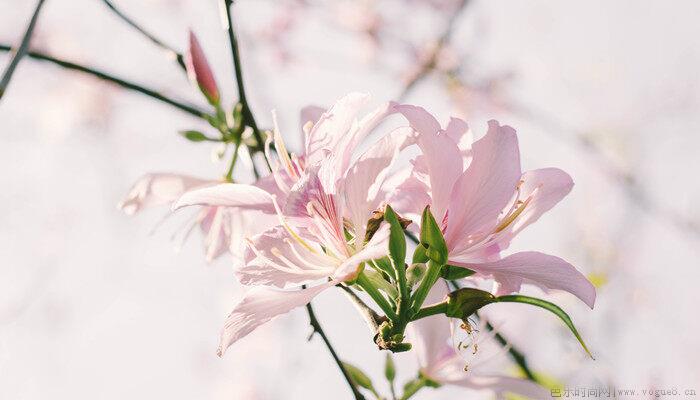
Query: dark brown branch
[
  {"x": 168, "y": 49},
  {"x": 21, "y": 50},
  {"x": 318, "y": 329},
  {"x": 190, "y": 109}
]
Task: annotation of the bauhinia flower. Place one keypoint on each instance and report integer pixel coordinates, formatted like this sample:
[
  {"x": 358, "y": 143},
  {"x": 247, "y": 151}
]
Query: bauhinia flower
[
  {"x": 482, "y": 199},
  {"x": 324, "y": 201},
  {"x": 199, "y": 71},
  {"x": 223, "y": 229},
  {"x": 443, "y": 362}
]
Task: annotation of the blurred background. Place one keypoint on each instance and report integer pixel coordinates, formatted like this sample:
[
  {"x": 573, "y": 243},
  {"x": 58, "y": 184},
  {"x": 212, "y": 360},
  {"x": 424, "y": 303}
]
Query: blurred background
[{"x": 92, "y": 305}]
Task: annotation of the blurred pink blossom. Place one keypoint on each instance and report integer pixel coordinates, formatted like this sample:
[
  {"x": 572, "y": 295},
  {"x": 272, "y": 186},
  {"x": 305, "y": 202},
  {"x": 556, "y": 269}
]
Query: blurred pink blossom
[{"x": 223, "y": 229}]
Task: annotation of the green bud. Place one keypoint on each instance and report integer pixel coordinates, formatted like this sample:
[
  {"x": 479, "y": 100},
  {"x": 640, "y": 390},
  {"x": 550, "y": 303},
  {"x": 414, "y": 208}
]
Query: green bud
[
  {"x": 194, "y": 136},
  {"x": 389, "y": 368},
  {"x": 400, "y": 347},
  {"x": 466, "y": 301},
  {"x": 415, "y": 273},
  {"x": 359, "y": 377},
  {"x": 431, "y": 238}
]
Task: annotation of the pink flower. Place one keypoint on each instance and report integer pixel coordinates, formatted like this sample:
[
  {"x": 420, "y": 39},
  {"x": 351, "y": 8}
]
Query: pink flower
[
  {"x": 483, "y": 200},
  {"x": 222, "y": 228},
  {"x": 441, "y": 362},
  {"x": 324, "y": 200},
  {"x": 199, "y": 72}
]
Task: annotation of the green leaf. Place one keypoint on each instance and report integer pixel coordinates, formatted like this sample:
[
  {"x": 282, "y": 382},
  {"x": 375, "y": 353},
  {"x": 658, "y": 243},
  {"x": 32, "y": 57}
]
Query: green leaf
[
  {"x": 451, "y": 272},
  {"x": 359, "y": 377},
  {"x": 431, "y": 238},
  {"x": 389, "y": 368},
  {"x": 466, "y": 301},
  {"x": 547, "y": 306},
  {"x": 195, "y": 136}
]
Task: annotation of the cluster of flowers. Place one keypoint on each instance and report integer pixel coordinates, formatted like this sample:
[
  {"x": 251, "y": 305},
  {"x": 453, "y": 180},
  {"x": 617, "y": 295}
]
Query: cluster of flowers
[{"x": 339, "y": 213}]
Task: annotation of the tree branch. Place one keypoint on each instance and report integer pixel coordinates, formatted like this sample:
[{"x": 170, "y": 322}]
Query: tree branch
[
  {"x": 21, "y": 50},
  {"x": 318, "y": 329},
  {"x": 516, "y": 355},
  {"x": 168, "y": 49},
  {"x": 190, "y": 109},
  {"x": 432, "y": 59},
  {"x": 248, "y": 117}
]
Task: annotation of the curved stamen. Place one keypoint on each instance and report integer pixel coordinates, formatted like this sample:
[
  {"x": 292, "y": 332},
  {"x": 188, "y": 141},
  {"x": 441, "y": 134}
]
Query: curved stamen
[
  {"x": 269, "y": 262},
  {"x": 281, "y": 148},
  {"x": 286, "y": 226},
  {"x": 316, "y": 272},
  {"x": 303, "y": 259}
]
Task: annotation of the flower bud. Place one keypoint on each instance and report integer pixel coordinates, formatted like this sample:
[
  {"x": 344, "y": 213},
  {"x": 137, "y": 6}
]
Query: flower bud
[
  {"x": 199, "y": 72},
  {"x": 466, "y": 301},
  {"x": 415, "y": 273}
]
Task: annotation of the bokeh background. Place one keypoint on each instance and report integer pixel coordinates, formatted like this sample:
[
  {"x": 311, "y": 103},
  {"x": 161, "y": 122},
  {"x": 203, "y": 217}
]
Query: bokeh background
[{"x": 94, "y": 306}]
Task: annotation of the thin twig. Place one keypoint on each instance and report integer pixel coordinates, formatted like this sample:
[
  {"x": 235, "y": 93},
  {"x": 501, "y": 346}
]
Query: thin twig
[
  {"x": 629, "y": 183},
  {"x": 432, "y": 59},
  {"x": 371, "y": 316},
  {"x": 190, "y": 109},
  {"x": 516, "y": 355},
  {"x": 318, "y": 329},
  {"x": 168, "y": 49},
  {"x": 248, "y": 117},
  {"x": 21, "y": 50}
]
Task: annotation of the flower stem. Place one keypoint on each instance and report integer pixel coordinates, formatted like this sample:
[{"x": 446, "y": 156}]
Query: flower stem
[
  {"x": 21, "y": 50},
  {"x": 378, "y": 298},
  {"x": 431, "y": 276},
  {"x": 439, "y": 308},
  {"x": 234, "y": 158},
  {"x": 515, "y": 354},
  {"x": 168, "y": 49},
  {"x": 248, "y": 117},
  {"x": 190, "y": 109},
  {"x": 318, "y": 329}
]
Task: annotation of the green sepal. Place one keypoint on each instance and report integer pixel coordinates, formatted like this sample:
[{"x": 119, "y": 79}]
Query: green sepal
[
  {"x": 431, "y": 238},
  {"x": 452, "y": 272},
  {"x": 397, "y": 247},
  {"x": 420, "y": 255},
  {"x": 464, "y": 302},
  {"x": 384, "y": 265}
]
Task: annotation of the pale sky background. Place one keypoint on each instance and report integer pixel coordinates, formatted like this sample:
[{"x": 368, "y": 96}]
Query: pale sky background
[{"x": 93, "y": 307}]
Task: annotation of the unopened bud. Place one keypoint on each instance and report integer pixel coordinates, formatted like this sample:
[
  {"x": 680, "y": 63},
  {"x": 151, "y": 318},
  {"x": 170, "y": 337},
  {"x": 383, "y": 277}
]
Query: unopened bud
[
  {"x": 466, "y": 301},
  {"x": 376, "y": 219},
  {"x": 199, "y": 72},
  {"x": 415, "y": 273}
]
